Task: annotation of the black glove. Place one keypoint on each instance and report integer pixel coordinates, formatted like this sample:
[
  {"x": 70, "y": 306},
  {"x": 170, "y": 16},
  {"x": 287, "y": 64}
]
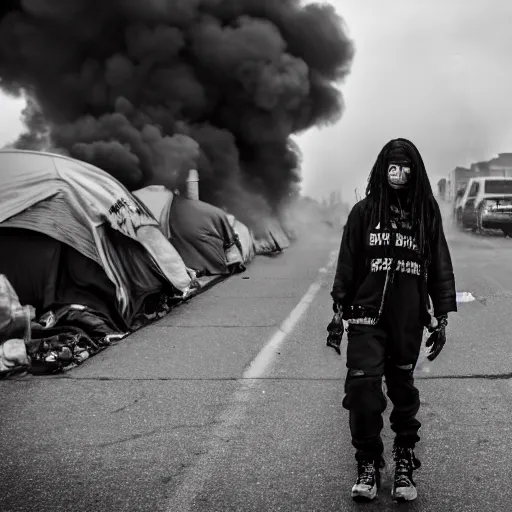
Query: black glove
[
  {"x": 437, "y": 339},
  {"x": 335, "y": 330}
]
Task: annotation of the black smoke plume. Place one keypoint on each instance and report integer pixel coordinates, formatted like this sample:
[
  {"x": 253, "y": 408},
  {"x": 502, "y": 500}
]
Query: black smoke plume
[{"x": 149, "y": 89}]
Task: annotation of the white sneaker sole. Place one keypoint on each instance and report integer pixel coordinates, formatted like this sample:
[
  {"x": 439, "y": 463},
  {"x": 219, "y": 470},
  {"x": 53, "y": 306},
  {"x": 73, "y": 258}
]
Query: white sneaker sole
[
  {"x": 404, "y": 494},
  {"x": 364, "y": 492}
]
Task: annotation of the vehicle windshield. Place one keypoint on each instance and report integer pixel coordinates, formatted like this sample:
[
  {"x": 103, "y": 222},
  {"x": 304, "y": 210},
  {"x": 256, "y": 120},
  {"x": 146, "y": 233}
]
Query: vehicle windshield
[{"x": 498, "y": 187}]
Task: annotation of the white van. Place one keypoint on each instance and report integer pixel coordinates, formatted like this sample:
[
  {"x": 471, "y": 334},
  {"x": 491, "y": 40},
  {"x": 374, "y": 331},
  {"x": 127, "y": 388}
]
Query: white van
[{"x": 486, "y": 204}]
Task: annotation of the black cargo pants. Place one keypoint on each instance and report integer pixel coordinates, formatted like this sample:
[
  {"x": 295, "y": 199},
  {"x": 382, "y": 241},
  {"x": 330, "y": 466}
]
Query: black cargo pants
[{"x": 390, "y": 350}]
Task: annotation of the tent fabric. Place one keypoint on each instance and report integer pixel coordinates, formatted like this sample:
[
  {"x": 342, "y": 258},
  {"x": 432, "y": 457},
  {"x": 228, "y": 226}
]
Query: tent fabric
[
  {"x": 245, "y": 238},
  {"x": 56, "y": 217},
  {"x": 137, "y": 268},
  {"x": 58, "y": 275},
  {"x": 158, "y": 200},
  {"x": 202, "y": 235},
  {"x": 195, "y": 229},
  {"x": 85, "y": 196}
]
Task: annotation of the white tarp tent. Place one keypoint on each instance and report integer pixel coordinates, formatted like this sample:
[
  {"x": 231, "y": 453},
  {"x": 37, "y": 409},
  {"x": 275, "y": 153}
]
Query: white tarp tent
[{"x": 73, "y": 201}]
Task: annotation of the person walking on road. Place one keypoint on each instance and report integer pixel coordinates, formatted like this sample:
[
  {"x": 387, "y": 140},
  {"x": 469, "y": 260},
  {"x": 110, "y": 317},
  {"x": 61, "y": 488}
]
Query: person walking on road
[{"x": 393, "y": 257}]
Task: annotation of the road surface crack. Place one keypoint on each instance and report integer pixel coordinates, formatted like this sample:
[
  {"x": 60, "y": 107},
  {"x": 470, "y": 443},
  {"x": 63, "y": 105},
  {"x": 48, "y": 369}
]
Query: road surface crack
[
  {"x": 483, "y": 376},
  {"x": 135, "y": 437}
]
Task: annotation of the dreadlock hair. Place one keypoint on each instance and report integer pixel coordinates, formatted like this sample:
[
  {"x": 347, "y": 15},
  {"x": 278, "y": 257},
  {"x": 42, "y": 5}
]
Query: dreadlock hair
[{"x": 425, "y": 215}]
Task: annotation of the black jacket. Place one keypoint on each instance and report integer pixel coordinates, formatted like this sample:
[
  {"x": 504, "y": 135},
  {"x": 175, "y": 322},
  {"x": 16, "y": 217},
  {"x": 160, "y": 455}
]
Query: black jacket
[{"x": 356, "y": 269}]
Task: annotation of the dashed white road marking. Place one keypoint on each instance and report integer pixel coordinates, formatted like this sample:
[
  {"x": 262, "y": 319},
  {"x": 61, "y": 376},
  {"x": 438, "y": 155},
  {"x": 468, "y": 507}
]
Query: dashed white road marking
[{"x": 229, "y": 421}]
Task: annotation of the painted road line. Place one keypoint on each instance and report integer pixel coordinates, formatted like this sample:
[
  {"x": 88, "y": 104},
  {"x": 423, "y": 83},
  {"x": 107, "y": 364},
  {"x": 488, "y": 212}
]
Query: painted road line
[
  {"x": 262, "y": 362},
  {"x": 229, "y": 422}
]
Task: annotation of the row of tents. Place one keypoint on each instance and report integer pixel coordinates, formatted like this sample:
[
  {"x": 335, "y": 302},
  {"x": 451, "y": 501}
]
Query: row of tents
[{"x": 97, "y": 262}]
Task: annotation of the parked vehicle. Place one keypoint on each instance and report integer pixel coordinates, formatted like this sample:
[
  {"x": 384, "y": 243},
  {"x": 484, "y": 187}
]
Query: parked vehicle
[{"x": 486, "y": 204}]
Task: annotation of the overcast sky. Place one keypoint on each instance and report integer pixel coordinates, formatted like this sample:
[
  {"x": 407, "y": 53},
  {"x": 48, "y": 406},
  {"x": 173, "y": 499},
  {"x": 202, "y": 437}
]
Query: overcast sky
[{"x": 438, "y": 73}]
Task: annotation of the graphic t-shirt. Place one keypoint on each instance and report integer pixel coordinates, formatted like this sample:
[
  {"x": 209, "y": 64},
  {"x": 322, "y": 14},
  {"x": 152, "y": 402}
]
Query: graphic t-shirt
[{"x": 394, "y": 270}]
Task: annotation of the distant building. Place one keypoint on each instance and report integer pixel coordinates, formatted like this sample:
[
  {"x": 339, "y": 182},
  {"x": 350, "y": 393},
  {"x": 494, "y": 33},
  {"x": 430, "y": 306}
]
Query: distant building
[
  {"x": 457, "y": 179},
  {"x": 441, "y": 188},
  {"x": 480, "y": 168},
  {"x": 501, "y": 166}
]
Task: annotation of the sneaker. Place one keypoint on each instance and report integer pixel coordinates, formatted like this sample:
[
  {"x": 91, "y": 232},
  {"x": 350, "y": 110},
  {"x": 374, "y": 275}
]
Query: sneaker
[
  {"x": 368, "y": 476},
  {"x": 404, "y": 487}
]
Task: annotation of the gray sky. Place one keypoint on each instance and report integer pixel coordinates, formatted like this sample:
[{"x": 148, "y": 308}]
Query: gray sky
[{"x": 436, "y": 72}]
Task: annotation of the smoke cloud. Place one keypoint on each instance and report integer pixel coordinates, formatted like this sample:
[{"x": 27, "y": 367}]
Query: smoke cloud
[{"x": 148, "y": 90}]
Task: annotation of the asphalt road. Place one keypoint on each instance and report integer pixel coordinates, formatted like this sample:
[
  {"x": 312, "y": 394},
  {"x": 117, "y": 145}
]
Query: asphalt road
[{"x": 165, "y": 421}]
